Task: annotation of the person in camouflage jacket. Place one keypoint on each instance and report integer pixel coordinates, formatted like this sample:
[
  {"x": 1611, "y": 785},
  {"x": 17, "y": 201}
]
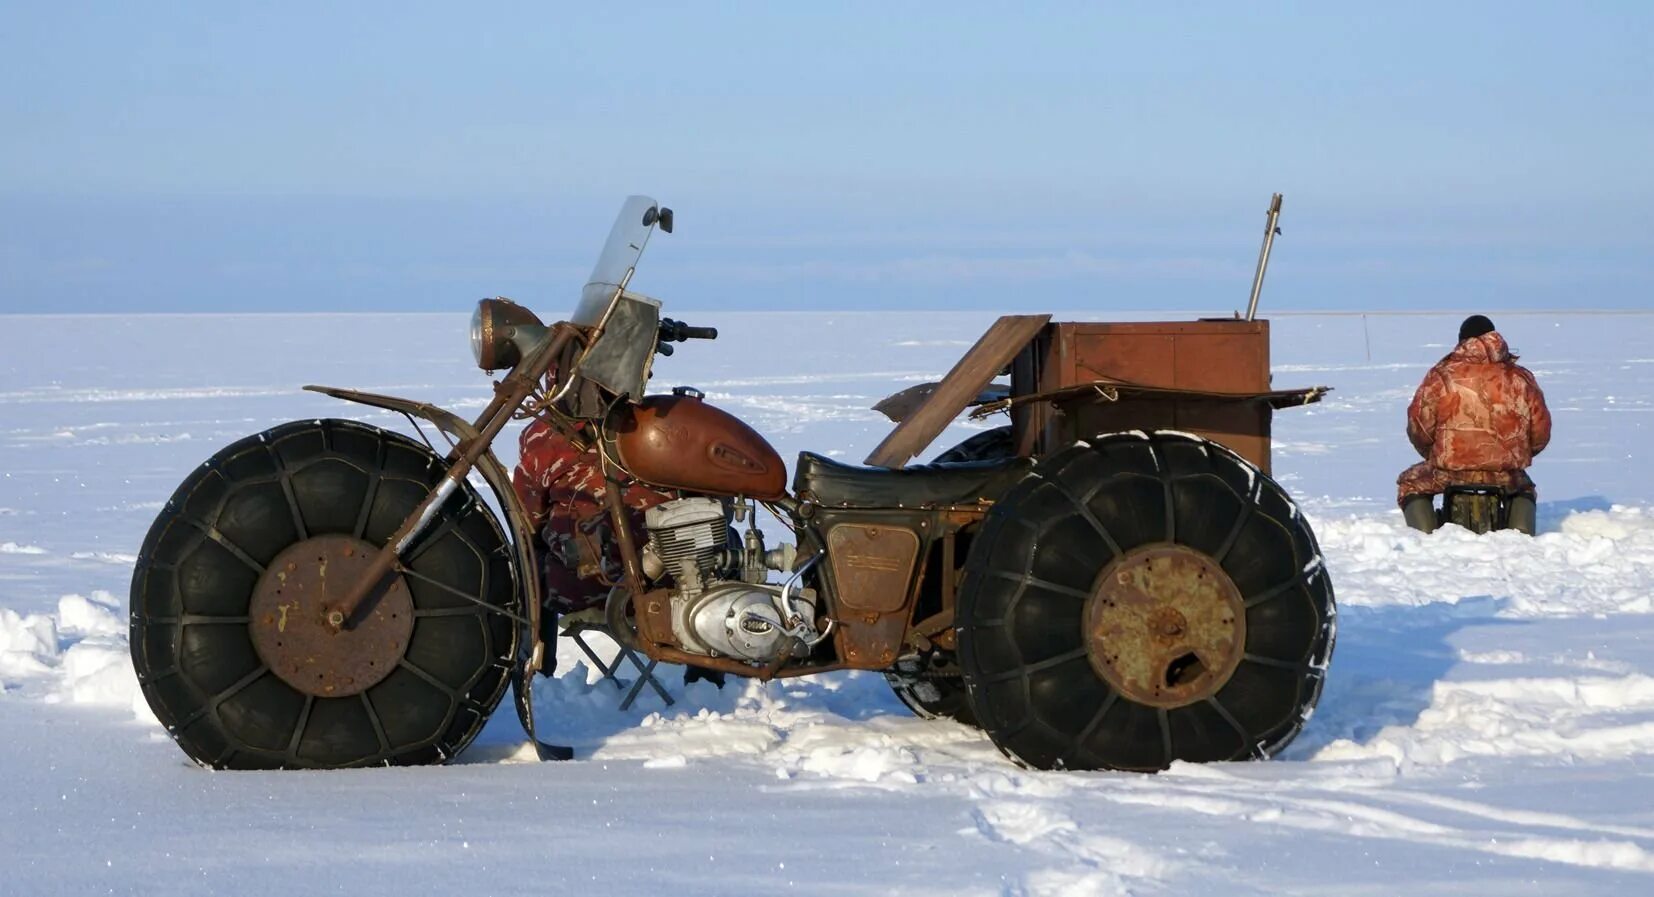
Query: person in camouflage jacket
[
  {"x": 1478, "y": 418},
  {"x": 563, "y": 490}
]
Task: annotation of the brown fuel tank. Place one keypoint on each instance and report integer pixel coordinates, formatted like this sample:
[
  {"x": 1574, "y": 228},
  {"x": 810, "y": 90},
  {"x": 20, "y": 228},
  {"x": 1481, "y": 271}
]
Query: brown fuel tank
[{"x": 681, "y": 442}]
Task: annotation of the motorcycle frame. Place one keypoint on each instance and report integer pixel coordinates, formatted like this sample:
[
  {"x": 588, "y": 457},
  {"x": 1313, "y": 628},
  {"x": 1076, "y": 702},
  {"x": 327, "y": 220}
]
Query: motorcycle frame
[
  {"x": 472, "y": 449},
  {"x": 867, "y": 637}
]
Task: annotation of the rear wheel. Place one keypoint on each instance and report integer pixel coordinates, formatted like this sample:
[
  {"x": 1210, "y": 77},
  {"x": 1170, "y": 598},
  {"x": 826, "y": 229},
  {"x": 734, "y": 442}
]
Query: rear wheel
[
  {"x": 1141, "y": 599},
  {"x": 989, "y": 445},
  {"x": 229, "y": 638}
]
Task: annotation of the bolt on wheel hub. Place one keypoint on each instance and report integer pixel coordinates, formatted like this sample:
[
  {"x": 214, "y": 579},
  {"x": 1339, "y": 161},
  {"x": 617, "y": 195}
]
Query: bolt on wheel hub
[
  {"x": 289, "y": 619},
  {"x": 1165, "y": 625}
]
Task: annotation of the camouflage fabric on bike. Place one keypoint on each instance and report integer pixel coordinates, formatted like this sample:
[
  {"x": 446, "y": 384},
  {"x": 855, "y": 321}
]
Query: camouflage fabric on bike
[{"x": 564, "y": 490}]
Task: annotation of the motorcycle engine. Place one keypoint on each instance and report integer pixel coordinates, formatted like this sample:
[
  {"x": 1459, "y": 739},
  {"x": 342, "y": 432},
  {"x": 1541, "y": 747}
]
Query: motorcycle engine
[
  {"x": 690, "y": 534},
  {"x": 721, "y": 605}
]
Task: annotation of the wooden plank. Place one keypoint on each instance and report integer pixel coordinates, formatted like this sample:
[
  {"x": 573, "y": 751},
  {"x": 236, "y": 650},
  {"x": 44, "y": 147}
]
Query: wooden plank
[{"x": 975, "y": 369}]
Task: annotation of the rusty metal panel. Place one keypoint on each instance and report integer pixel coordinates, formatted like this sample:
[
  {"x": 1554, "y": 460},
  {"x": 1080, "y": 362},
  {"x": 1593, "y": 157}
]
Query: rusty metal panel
[
  {"x": 1222, "y": 362},
  {"x": 653, "y": 613},
  {"x": 1218, "y": 356},
  {"x": 870, "y": 642},
  {"x": 1213, "y": 356},
  {"x": 1135, "y": 357},
  {"x": 872, "y": 565}
]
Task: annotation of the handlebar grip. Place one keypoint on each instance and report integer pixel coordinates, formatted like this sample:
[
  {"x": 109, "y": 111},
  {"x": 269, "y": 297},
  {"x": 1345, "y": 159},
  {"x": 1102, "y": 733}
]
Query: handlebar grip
[{"x": 678, "y": 331}]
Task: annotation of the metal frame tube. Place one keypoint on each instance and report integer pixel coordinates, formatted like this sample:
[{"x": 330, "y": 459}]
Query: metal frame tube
[
  {"x": 508, "y": 394},
  {"x": 1271, "y": 228}
]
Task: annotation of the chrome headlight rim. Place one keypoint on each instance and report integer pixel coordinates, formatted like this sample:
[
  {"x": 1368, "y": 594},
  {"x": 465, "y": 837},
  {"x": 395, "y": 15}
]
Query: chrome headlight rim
[{"x": 478, "y": 345}]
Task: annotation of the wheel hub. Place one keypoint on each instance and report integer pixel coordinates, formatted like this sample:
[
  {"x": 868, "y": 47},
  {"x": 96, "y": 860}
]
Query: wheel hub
[
  {"x": 1165, "y": 625},
  {"x": 289, "y": 619}
]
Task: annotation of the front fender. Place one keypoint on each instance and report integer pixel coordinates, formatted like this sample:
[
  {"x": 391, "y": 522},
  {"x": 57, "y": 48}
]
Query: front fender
[
  {"x": 522, "y": 534},
  {"x": 498, "y": 479}
]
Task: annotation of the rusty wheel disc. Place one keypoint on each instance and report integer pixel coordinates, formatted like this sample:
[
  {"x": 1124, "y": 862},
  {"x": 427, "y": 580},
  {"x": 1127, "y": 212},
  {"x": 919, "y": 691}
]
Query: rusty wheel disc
[
  {"x": 1165, "y": 625},
  {"x": 288, "y": 619}
]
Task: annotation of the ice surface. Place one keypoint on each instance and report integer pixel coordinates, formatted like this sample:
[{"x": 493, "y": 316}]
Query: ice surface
[{"x": 1487, "y": 725}]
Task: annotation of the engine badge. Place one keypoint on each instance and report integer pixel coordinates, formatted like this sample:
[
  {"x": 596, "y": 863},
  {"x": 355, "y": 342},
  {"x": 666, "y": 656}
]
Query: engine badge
[{"x": 731, "y": 458}]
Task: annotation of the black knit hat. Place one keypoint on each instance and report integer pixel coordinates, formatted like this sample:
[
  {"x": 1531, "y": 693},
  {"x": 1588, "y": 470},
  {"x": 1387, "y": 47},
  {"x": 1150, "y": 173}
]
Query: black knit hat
[{"x": 1475, "y": 325}]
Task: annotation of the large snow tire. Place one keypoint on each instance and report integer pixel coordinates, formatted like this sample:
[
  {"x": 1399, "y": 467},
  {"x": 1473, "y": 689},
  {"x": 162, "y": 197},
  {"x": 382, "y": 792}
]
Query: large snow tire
[
  {"x": 229, "y": 679},
  {"x": 1142, "y": 599},
  {"x": 988, "y": 445}
]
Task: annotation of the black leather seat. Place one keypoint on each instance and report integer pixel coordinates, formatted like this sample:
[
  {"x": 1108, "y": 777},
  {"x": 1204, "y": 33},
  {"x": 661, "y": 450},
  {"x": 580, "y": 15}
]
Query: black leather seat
[{"x": 827, "y": 482}]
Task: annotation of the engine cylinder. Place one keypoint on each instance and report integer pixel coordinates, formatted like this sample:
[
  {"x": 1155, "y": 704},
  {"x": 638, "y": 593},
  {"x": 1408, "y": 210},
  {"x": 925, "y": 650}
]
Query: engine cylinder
[{"x": 689, "y": 530}]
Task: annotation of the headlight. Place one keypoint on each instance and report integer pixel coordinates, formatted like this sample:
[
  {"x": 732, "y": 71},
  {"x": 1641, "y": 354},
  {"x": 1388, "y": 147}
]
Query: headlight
[
  {"x": 476, "y": 334},
  {"x": 499, "y": 330}
]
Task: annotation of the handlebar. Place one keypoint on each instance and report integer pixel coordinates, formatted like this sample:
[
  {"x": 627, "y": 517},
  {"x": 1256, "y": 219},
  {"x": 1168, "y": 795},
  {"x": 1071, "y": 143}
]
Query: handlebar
[{"x": 677, "y": 331}]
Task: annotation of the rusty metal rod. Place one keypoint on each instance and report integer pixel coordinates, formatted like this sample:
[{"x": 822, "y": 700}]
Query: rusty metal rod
[
  {"x": 508, "y": 394},
  {"x": 630, "y": 560},
  {"x": 670, "y": 654},
  {"x": 1271, "y": 228}
]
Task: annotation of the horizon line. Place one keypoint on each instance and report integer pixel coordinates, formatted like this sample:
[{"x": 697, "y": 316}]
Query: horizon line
[{"x": 928, "y": 311}]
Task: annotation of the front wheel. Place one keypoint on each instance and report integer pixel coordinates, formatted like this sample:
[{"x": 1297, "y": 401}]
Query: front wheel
[
  {"x": 229, "y": 638},
  {"x": 1141, "y": 599}
]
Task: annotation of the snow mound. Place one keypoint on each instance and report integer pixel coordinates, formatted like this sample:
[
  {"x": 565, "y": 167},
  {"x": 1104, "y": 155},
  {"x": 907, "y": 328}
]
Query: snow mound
[
  {"x": 88, "y": 617},
  {"x": 28, "y": 646},
  {"x": 77, "y": 655},
  {"x": 1589, "y": 562},
  {"x": 1584, "y": 718}
]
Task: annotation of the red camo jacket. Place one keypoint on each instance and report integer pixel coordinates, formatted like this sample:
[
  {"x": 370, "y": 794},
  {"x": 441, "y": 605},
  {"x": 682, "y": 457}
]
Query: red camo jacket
[
  {"x": 562, "y": 489},
  {"x": 1478, "y": 409}
]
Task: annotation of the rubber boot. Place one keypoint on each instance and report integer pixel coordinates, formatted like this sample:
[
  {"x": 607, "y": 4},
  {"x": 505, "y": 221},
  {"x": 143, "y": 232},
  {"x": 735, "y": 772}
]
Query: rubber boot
[
  {"x": 1522, "y": 515},
  {"x": 699, "y": 674},
  {"x": 1420, "y": 513}
]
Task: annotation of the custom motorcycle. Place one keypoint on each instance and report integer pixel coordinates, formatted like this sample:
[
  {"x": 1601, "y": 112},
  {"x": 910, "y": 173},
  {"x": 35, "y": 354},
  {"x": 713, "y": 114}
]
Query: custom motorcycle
[{"x": 1090, "y": 586}]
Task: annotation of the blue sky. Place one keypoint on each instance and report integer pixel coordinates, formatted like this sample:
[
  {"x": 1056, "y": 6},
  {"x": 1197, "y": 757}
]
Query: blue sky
[{"x": 368, "y": 156}]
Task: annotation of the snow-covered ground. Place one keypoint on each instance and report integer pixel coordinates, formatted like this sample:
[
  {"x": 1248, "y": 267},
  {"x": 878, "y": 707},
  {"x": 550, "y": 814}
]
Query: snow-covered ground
[{"x": 1487, "y": 727}]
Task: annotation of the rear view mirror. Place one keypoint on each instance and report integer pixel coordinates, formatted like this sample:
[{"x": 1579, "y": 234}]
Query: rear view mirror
[{"x": 660, "y": 215}]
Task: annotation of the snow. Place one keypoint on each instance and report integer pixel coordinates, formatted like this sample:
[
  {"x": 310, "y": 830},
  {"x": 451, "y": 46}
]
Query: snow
[{"x": 1487, "y": 724}]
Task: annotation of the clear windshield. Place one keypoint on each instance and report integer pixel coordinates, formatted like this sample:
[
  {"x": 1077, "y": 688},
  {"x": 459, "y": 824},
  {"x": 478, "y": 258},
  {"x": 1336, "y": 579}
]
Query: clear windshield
[{"x": 619, "y": 257}]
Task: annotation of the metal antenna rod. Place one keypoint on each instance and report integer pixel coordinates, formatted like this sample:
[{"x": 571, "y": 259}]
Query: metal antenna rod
[{"x": 1270, "y": 230}]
